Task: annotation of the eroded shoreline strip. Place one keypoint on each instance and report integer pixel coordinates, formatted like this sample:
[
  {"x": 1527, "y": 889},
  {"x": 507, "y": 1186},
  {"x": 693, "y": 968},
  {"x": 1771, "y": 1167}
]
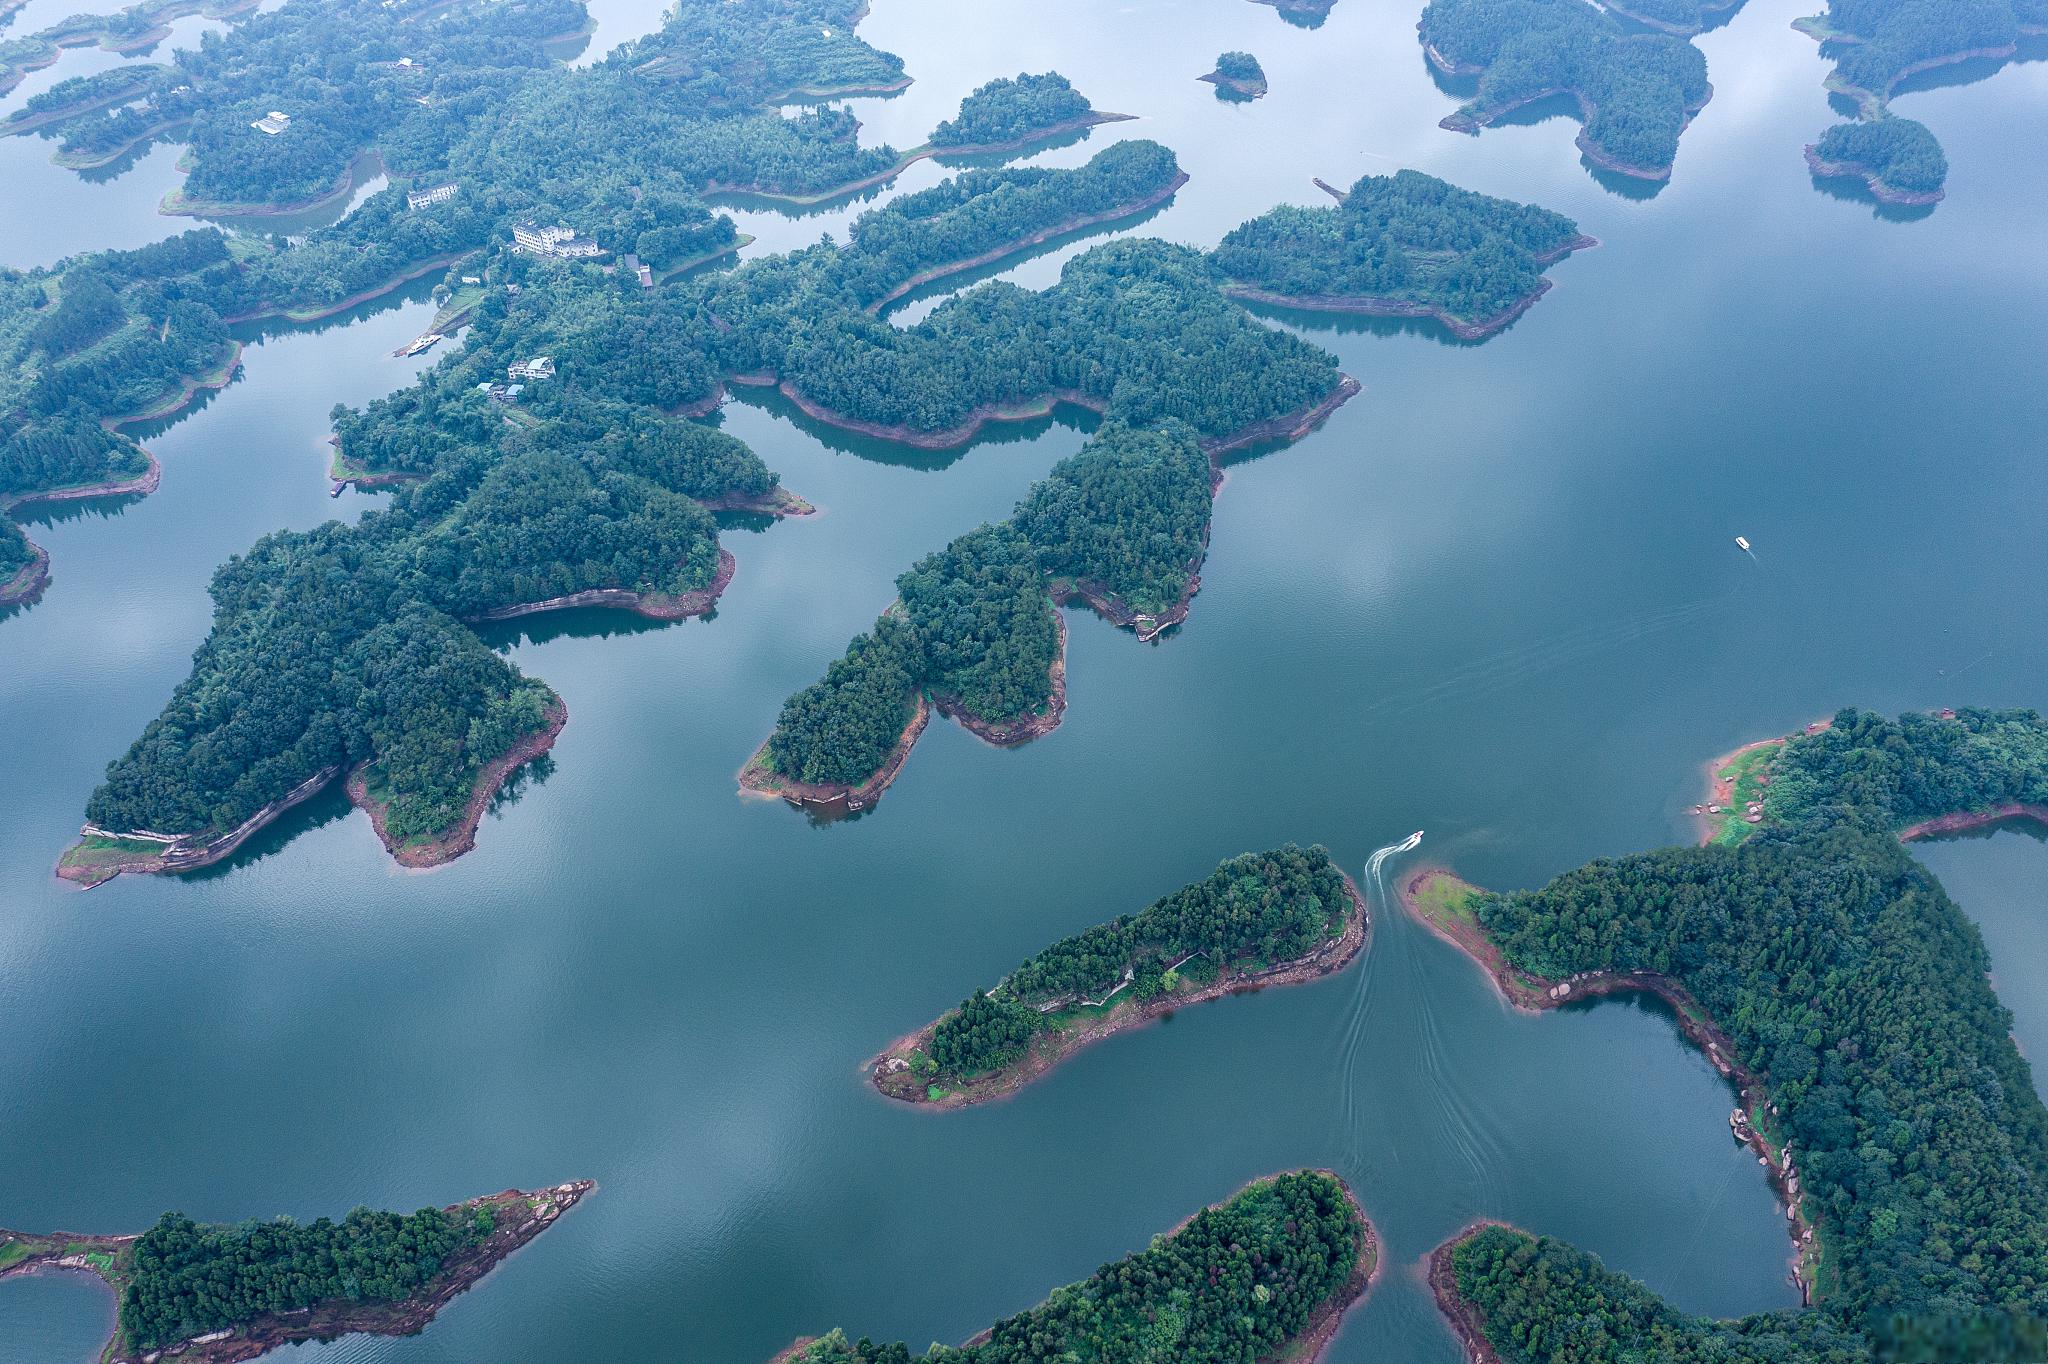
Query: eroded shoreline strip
[
  {"x": 888, "y": 1073},
  {"x": 518, "y": 1216},
  {"x": 1439, "y": 899}
]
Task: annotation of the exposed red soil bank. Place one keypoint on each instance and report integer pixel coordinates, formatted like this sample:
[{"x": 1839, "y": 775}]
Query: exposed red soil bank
[
  {"x": 96, "y": 858},
  {"x": 458, "y": 838},
  {"x": 758, "y": 778},
  {"x": 889, "y": 1072},
  {"x": 520, "y": 1216},
  {"x": 29, "y": 581}
]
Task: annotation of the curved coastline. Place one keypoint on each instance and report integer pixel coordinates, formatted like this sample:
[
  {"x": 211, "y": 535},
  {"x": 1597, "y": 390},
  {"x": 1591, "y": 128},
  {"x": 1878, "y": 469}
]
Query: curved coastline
[
  {"x": 1530, "y": 993},
  {"x": 910, "y": 158},
  {"x": 1376, "y": 306},
  {"x": 757, "y": 778},
  {"x": 1308, "y": 1345},
  {"x": 29, "y": 581},
  {"x": 1872, "y": 179},
  {"x": 518, "y": 1216},
  {"x": 1078, "y": 223},
  {"x": 447, "y": 844},
  {"x": 1461, "y": 1316},
  {"x": 1019, "y": 729},
  {"x": 1469, "y": 119},
  {"x": 1049, "y": 1050},
  {"x": 653, "y": 605},
  {"x": 1286, "y": 426}
]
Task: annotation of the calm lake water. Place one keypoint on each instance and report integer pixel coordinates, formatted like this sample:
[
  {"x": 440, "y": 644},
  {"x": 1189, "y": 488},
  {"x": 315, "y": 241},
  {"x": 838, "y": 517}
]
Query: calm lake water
[{"x": 1496, "y": 598}]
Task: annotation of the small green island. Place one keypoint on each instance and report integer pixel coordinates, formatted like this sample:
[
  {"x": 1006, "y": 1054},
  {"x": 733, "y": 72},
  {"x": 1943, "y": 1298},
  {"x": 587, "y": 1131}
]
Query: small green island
[
  {"x": 219, "y": 1294},
  {"x": 1636, "y": 92},
  {"x": 1238, "y": 76},
  {"x": 1827, "y": 975},
  {"x": 1897, "y": 159},
  {"x": 1263, "y": 1277},
  {"x": 1382, "y": 251},
  {"x": 1260, "y": 919}
]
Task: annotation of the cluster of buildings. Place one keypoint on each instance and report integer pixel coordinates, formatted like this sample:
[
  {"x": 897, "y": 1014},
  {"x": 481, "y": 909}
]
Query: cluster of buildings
[
  {"x": 553, "y": 242},
  {"x": 518, "y": 375},
  {"x": 427, "y": 198}
]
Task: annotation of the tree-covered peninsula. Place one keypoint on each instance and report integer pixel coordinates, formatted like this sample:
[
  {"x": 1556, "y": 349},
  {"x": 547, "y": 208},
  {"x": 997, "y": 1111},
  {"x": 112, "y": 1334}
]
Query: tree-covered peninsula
[
  {"x": 215, "y": 1294},
  {"x": 1636, "y": 91},
  {"x": 1403, "y": 245},
  {"x": 1263, "y": 1276},
  {"x": 1831, "y": 978},
  {"x": 1271, "y": 918},
  {"x": 1876, "y": 44},
  {"x": 1122, "y": 525}
]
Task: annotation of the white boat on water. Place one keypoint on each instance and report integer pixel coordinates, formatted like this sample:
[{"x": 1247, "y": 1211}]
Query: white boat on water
[{"x": 1742, "y": 544}]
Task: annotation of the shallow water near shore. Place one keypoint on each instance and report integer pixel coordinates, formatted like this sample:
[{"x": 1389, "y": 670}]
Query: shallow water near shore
[{"x": 1495, "y": 598}]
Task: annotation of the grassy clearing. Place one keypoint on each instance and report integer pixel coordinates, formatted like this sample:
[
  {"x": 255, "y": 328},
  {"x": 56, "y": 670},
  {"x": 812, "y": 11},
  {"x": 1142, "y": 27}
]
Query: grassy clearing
[{"x": 1744, "y": 776}]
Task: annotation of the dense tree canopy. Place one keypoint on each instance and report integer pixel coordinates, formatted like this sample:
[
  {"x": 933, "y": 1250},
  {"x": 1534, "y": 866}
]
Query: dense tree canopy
[
  {"x": 1128, "y": 515},
  {"x": 1403, "y": 238},
  {"x": 1898, "y": 153},
  {"x": 188, "y": 1279},
  {"x": 1913, "y": 768},
  {"x": 1008, "y": 111},
  {"x": 1636, "y": 90},
  {"x": 1233, "y": 1285},
  {"x": 1858, "y": 992},
  {"x": 1253, "y": 910}
]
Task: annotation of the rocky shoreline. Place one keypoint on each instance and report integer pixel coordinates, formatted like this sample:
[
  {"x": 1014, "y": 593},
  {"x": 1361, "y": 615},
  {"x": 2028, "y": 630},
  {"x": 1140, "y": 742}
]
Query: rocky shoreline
[
  {"x": 1531, "y": 993},
  {"x": 29, "y": 581},
  {"x": 1461, "y": 1316},
  {"x": 653, "y": 605},
  {"x": 458, "y": 838},
  {"x": 757, "y": 778},
  {"x": 1872, "y": 179},
  {"x": 889, "y": 1071},
  {"x": 518, "y": 1217},
  {"x": 1471, "y": 120}
]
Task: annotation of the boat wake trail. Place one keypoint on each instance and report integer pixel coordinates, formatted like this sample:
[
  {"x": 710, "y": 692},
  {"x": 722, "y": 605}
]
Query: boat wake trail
[
  {"x": 1373, "y": 886},
  {"x": 1502, "y": 670}
]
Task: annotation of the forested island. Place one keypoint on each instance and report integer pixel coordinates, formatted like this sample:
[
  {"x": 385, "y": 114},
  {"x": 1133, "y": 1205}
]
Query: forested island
[
  {"x": 1238, "y": 75},
  {"x": 1262, "y": 1277},
  {"x": 1402, "y": 245},
  {"x": 1897, "y": 159},
  {"x": 1876, "y": 44},
  {"x": 1829, "y": 976},
  {"x": 1636, "y": 91},
  {"x": 1260, "y": 919},
  {"x": 1122, "y": 525},
  {"x": 218, "y": 1294}
]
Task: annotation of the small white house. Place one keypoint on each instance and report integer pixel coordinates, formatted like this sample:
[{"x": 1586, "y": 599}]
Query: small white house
[{"x": 272, "y": 123}]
